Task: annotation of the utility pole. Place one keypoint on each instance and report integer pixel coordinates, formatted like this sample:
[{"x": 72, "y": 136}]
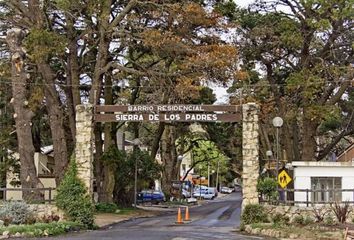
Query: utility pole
[
  {"x": 208, "y": 175},
  {"x": 217, "y": 176}
]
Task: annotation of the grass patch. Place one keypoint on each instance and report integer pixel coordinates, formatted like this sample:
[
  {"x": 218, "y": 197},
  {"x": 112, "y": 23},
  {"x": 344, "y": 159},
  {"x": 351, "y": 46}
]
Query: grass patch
[
  {"x": 127, "y": 211},
  {"x": 43, "y": 229}
]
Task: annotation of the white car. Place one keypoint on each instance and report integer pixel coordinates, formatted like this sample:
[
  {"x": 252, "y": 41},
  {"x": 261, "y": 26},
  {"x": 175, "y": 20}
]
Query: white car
[
  {"x": 204, "y": 194},
  {"x": 186, "y": 194},
  {"x": 226, "y": 190}
]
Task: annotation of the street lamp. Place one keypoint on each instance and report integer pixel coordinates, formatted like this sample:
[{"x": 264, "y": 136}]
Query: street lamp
[
  {"x": 136, "y": 143},
  {"x": 277, "y": 123},
  {"x": 212, "y": 173},
  {"x": 200, "y": 181},
  {"x": 269, "y": 155},
  {"x": 179, "y": 160}
]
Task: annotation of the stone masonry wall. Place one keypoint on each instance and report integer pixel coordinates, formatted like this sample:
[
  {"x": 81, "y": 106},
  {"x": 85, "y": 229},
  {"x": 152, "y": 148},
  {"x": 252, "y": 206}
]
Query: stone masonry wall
[
  {"x": 84, "y": 150},
  {"x": 292, "y": 211},
  {"x": 250, "y": 148},
  {"x": 45, "y": 210}
]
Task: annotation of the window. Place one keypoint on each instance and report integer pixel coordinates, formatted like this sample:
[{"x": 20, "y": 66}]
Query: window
[{"x": 325, "y": 185}]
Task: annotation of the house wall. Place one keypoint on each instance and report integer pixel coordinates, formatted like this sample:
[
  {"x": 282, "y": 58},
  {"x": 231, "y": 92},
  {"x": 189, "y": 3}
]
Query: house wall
[
  {"x": 17, "y": 195},
  {"x": 48, "y": 182},
  {"x": 302, "y": 179}
]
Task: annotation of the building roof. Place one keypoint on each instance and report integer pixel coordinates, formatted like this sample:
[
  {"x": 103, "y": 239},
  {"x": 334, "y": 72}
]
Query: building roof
[
  {"x": 350, "y": 147},
  {"x": 322, "y": 164}
]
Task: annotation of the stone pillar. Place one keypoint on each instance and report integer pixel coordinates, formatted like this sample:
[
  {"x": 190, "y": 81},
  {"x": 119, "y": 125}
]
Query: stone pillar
[
  {"x": 250, "y": 148},
  {"x": 84, "y": 143}
]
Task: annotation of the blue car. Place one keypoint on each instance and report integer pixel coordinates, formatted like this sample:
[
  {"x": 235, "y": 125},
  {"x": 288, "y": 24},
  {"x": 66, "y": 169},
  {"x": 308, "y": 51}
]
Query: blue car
[{"x": 152, "y": 196}]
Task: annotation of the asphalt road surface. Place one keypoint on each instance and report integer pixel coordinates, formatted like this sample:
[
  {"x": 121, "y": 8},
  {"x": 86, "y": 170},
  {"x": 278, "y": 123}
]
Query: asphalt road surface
[{"x": 216, "y": 219}]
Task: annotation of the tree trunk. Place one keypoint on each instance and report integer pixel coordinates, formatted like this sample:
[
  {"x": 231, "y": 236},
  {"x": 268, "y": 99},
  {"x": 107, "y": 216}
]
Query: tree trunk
[
  {"x": 169, "y": 158},
  {"x": 308, "y": 139},
  {"x": 28, "y": 173},
  {"x": 104, "y": 187},
  {"x": 56, "y": 120},
  {"x": 108, "y": 180},
  {"x": 97, "y": 160},
  {"x": 73, "y": 76}
]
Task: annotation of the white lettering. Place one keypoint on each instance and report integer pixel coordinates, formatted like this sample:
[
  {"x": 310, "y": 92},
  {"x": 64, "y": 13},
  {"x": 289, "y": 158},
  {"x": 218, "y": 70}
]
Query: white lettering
[{"x": 154, "y": 117}]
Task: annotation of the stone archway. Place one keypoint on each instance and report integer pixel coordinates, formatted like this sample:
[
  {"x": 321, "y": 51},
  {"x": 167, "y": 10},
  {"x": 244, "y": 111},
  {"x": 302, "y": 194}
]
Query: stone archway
[{"x": 250, "y": 142}]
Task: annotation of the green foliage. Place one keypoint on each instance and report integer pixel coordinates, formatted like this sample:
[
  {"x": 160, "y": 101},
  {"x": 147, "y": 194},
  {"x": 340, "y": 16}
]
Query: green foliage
[
  {"x": 148, "y": 171},
  {"x": 15, "y": 212},
  {"x": 329, "y": 220},
  {"x": 42, "y": 44},
  {"x": 106, "y": 207},
  {"x": 280, "y": 219},
  {"x": 73, "y": 199},
  {"x": 298, "y": 219},
  {"x": 268, "y": 187},
  {"x": 254, "y": 213},
  {"x": 227, "y": 9},
  {"x": 308, "y": 220},
  {"x": 43, "y": 229}
]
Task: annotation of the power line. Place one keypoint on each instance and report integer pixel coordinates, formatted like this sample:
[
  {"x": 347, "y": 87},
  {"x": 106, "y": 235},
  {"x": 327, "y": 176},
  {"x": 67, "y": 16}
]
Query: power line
[{"x": 164, "y": 85}]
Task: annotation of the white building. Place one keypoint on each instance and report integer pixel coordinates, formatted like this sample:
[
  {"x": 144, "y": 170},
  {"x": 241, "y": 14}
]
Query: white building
[
  {"x": 44, "y": 163},
  {"x": 323, "y": 176}
]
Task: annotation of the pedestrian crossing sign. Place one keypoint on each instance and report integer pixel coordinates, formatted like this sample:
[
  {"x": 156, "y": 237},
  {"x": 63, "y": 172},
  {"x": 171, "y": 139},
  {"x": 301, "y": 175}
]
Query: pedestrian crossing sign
[{"x": 284, "y": 179}]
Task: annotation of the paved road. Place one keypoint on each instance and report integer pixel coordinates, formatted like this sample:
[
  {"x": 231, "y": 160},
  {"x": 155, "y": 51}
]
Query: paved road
[{"x": 214, "y": 220}]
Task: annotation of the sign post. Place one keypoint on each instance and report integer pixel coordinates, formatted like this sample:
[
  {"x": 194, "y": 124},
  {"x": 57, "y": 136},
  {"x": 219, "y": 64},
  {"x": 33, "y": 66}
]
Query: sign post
[
  {"x": 168, "y": 113},
  {"x": 284, "y": 179}
]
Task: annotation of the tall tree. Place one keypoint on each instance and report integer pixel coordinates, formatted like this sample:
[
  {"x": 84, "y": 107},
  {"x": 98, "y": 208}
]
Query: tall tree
[
  {"x": 23, "y": 115},
  {"x": 296, "y": 60}
]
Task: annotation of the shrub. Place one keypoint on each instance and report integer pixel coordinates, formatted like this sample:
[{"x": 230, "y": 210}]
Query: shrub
[
  {"x": 299, "y": 219},
  {"x": 106, "y": 207},
  {"x": 341, "y": 211},
  {"x": 15, "y": 213},
  {"x": 320, "y": 213},
  {"x": 42, "y": 229},
  {"x": 280, "y": 219},
  {"x": 73, "y": 199},
  {"x": 268, "y": 187},
  {"x": 50, "y": 218},
  {"x": 329, "y": 220},
  {"x": 254, "y": 213},
  {"x": 308, "y": 220}
]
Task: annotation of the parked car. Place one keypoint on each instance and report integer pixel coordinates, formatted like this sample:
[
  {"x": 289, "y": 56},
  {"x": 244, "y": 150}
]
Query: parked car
[
  {"x": 226, "y": 190},
  {"x": 204, "y": 194},
  {"x": 185, "y": 193},
  {"x": 214, "y": 190},
  {"x": 152, "y": 196}
]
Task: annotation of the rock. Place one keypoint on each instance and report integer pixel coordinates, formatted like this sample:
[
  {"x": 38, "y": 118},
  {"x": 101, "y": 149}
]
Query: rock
[
  {"x": 17, "y": 234},
  {"x": 1, "y": 223},
  {"x": 256, "y": 231},
  {"x": 293, "y": 236},
  {"x": 248, "y": 229},
  {"x": 6, "y": 233}
]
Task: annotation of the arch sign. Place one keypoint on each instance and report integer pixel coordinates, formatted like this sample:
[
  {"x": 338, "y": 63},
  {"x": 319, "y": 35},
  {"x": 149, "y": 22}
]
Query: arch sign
[{"x": 167, "y": 113}]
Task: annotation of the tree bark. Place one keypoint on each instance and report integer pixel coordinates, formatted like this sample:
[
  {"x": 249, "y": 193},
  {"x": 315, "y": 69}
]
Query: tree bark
[
  {"x": 73, "y": 76},
  {"x": 308, "y": 139},
  {"x": 169, "y": 158},
  {"x": 23, "y": 115},
  {"x": 56, "y": 120},
  {"x": 108, "y": 171}
]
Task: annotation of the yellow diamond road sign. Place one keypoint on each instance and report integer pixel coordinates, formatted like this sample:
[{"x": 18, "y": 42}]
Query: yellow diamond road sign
[{"x": 284, "y": 179}]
